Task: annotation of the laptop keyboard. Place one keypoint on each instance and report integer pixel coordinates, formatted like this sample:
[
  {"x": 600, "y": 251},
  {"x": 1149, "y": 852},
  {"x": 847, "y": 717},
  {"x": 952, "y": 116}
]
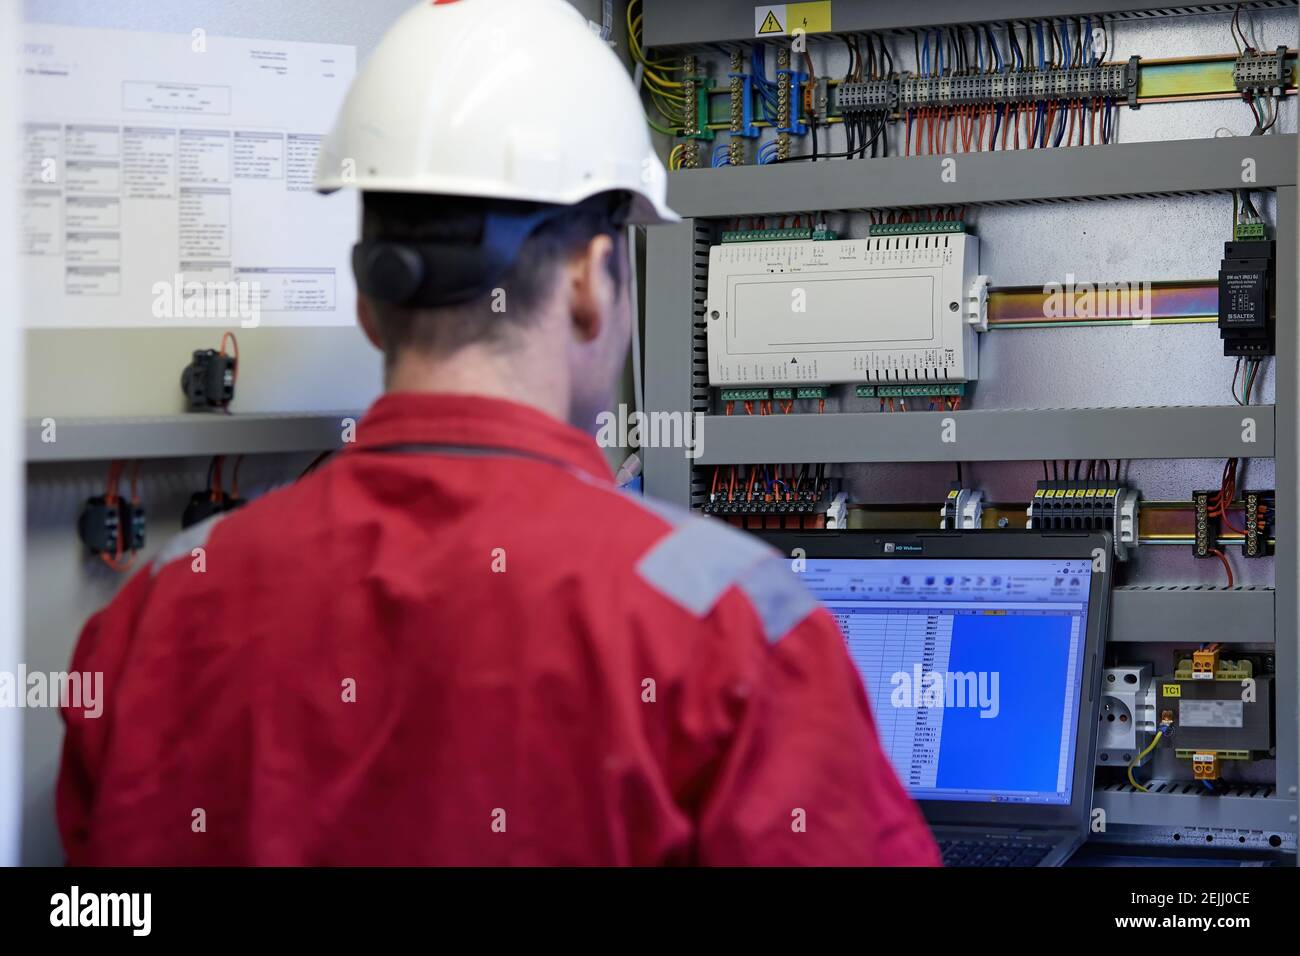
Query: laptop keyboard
[{"x": 993, "y": 852}]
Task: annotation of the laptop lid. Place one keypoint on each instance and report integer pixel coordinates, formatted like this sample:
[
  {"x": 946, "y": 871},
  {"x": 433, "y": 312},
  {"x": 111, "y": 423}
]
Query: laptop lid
[{"x": 980, "y": 652}]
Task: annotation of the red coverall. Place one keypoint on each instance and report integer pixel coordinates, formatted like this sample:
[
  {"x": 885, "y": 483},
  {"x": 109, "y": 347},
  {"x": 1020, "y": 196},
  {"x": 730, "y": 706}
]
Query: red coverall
[{"x": 458, "y": 643}]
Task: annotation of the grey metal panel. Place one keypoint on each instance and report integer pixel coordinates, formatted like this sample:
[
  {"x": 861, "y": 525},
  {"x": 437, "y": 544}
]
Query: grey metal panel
[
  {"x": 1032, "y": 174},
  {"x": 1287, "y": 558},
  {"x": 181, "y": 436},
  {"x": 669, "y": 309},
  {"x": 1008, "y": 435},
  {"x": 1195, "y": 810},
  {"x": 1150, "y": 614},
  {"x": 684, "y": 22}
]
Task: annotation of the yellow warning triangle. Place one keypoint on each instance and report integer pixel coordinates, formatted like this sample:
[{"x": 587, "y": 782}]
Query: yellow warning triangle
[{"x": 771, "y": 24}]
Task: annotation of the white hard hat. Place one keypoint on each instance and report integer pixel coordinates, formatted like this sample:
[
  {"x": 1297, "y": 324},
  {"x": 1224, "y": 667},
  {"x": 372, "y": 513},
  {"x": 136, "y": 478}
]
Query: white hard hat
[{"x": 500, "y": 99}]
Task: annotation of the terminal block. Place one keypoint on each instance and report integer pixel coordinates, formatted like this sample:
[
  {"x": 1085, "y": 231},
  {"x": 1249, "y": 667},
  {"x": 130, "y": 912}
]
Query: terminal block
[
  {"x": 917, "y": 228},
  {"x": 1089, "y": 505},
  {"x": 1258, "y": 514},
  {"x": 1259, "y": 72},
  {"x": 1116, "y": 81},
  {"x": 1207, "y": 525},
  {"x": 871, "y": 96},
  {"x": 1205, "y": 766},
  {"x": 1205, "y": 663},
  {"x": 209, "y": 380},
  {"x": 779, "y": 235},
  {"x": 103, "y": 522},
  {"x": 963, "y": 509}
]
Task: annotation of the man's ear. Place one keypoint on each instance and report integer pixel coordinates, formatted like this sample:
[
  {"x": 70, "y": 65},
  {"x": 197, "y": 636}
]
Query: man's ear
[
  {"x": 593, "y": 289},
  {"x": 366, "y": 319}
]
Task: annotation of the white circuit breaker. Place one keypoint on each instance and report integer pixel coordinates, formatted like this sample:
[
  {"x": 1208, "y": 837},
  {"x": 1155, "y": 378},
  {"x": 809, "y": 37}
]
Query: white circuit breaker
[{"x": 885, "y": 309}]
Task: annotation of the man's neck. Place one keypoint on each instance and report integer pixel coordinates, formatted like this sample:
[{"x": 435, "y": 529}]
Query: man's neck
[{"x": 480, "y": 373}]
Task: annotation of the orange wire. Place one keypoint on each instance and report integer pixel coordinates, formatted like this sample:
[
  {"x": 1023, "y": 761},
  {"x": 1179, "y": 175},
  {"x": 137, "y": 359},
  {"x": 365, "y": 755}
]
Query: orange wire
[{"x": 1226, "y": 566}]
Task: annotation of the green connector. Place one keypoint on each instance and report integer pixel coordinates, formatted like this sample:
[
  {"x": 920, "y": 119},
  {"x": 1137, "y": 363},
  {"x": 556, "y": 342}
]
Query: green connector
[
  {"x": 783, "y": 394},
  {"x": 1249, "y": 230},
  {"x": 778, "y": 235},
  {"x": 916, "y": 228},
  {"x": 746, "y": 394},
  {"x": 811, "y": 391},
  {"x": 866, "y": 391},
  {"x": 921, "y": 391}
]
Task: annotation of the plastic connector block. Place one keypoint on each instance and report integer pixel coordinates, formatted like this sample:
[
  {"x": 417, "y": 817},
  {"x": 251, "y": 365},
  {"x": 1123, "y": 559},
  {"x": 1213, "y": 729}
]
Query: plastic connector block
[
  {"x": 1245, "y": 231},
  {"x": 792, "y": 394},
  {"x": 871, "y": 96},
  {"x": 1205, "y": 664},
  {"x": 963, "y": 509},
  {"x": 1205, "y": 766},
  {"x": 866, "y": 391},
  {"x": 779, "y": 235},
  {"x": 917, "y": 228},
  {"x": 921, "y": 391},
  {"x": 1260, "y": 72},
  {"x": 746, "y": 394},
  {"x": 1102, "y": 81}
]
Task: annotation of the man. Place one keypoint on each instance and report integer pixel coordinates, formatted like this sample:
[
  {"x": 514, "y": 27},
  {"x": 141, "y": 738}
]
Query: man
[{"x": 456, "y": 642}]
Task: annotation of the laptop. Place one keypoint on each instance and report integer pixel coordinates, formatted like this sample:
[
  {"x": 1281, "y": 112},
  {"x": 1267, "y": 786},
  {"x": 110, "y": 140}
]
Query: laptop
[{"x": 981, "y": 654}]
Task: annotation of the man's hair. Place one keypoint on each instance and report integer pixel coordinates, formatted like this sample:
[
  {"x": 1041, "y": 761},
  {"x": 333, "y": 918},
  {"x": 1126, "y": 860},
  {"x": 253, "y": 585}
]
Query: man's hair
[{"x": 522, "y": 288}]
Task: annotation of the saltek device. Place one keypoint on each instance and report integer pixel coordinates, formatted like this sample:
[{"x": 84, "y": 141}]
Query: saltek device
[
  {"x": 980, "y": 653},
  {"x": 895, "y": 308}
]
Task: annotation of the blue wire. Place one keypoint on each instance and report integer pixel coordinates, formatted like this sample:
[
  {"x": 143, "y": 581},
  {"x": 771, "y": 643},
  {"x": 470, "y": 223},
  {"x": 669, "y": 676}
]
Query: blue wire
[
  {"x": 941, "y": 48},
  {"x": 1042, "y": 54},
  {"x": 1090, "y": 55},
  {"x": 993, "y": 44},
  {"x": 925, "y": 56},
  {"x": 1065, "y": 44},
  {"x": 725, "y": 162}
]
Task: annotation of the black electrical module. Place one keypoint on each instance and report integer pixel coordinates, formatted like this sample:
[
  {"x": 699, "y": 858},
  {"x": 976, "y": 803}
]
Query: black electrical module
[
  {"x": 209, "y": 380},
  {"x": 100, "y": 523},
  {"x": 1258, "y": 518},
  {"x": 1247, "y": 319},
  {"x": 1207, "y": 525}
]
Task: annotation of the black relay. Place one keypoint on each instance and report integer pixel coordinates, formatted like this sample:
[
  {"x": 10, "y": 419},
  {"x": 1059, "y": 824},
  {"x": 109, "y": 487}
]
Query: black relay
[{"x": 1247, "y": 321}]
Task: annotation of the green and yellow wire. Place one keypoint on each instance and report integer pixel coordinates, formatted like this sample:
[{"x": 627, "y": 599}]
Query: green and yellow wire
[{"x": 1139, "y": 758}]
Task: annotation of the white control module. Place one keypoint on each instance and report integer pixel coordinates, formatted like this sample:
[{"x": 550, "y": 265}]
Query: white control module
[{"x": 886, "y": 309}]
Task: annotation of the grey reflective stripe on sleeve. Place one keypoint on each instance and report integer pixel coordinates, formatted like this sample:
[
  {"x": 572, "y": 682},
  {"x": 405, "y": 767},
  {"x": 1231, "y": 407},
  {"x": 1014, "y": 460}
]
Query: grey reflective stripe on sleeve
[
  {"x": 779, "y": 597},
  {"x": 698, "y": 560},
  {"x": 184, "y": 543},
  {"x": 696, "y": 563}
]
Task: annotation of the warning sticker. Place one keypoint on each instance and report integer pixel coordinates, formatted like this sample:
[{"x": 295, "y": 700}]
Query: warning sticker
[
  {"x": 783, "y": 19},
  {"x": 1210, "y": 713}
]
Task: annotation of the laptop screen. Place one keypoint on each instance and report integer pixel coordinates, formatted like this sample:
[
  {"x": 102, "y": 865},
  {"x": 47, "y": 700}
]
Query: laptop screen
[{"x": 973, "y": 668}]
